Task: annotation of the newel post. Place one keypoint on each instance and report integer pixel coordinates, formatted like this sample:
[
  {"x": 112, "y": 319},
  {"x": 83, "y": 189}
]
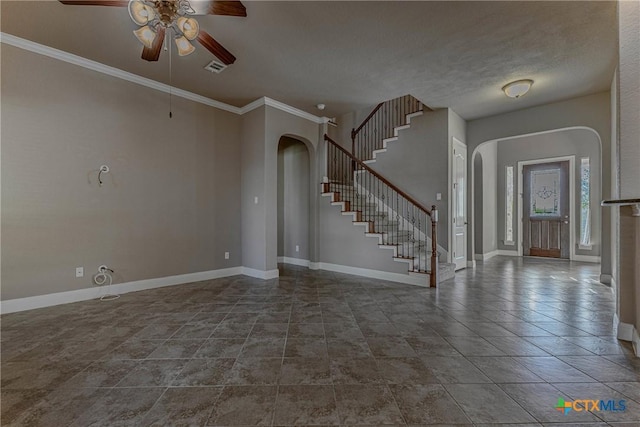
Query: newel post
[{"x": 433, "y": 278}]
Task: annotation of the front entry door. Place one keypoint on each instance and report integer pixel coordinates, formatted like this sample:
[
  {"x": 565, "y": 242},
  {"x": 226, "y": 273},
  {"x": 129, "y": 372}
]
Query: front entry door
[{"x": 545, "y": 220}]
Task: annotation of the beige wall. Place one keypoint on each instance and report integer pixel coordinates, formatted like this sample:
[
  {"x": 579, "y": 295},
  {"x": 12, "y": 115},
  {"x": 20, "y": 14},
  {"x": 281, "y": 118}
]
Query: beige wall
[
  {"x": 293, "y": 199},
  {"x": 592, "y": 111},
  {"x": 628, "y": 114},
  {"x": 169, "y": 205},
  {"x": 278, "y": 124}
]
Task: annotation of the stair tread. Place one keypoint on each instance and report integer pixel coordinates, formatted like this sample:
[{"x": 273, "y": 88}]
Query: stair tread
[{"x": 391, "y": 230}]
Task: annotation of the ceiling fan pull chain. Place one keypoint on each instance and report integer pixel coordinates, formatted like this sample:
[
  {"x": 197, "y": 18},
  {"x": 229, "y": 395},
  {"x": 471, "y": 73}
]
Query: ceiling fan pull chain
[{"x": 167, "y": 44}]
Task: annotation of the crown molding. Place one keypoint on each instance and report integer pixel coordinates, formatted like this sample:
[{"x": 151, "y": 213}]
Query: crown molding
[
  {"x": 292, "y": 110},
  {"x": 99, "y": 67},
  {"x": 111, "y": 71}
]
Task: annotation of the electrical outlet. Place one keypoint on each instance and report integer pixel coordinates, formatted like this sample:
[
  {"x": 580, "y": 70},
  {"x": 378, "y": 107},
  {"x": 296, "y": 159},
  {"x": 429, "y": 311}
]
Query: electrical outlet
[
  {"x": 79, "y": 271},
  {"x": 226, "y": 255},
  {"x": 297, "y": 248},
  {"x": 255, "y": 200}
]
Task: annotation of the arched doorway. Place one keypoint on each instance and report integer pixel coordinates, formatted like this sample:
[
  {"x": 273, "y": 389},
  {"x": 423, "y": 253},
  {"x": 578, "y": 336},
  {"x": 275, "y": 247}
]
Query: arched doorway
[
  {"x": 294, "y": 228},
  {"x": 501, "y": 165}
]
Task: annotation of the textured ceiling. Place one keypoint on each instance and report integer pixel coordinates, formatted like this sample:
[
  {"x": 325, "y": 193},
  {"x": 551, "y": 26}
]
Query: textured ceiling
[{"x": 349, "y": 55}]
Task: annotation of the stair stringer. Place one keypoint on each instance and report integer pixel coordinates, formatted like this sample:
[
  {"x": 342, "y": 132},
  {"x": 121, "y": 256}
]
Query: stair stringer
[
  {"x": 384, "y": 263},
  {"x": 411, "y": 276},
  {"x": 405, "y": 223},
  {"x": 396, "y": 134}
]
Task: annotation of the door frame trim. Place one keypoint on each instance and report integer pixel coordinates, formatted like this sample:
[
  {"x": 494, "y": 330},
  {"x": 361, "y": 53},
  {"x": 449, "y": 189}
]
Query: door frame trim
[
  {"x": 572, "y": 199},
  {"x": 466, "y": 200}
]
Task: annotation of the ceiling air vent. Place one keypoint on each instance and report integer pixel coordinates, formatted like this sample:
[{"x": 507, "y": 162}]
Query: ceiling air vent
[{"x": 215, "y": 66}]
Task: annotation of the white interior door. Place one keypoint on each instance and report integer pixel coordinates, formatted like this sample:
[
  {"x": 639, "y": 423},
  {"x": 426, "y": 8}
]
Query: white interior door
[{"x": 458, "y": 241}]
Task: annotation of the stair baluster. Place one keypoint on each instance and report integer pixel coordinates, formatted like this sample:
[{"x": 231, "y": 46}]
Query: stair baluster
[
  {"x": 380, "y": 124},
  {"x": 400, "y": 221}
]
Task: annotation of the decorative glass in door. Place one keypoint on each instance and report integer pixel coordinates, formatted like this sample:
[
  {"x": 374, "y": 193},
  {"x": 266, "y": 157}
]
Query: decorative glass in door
[{"x": 545, "y": 192}]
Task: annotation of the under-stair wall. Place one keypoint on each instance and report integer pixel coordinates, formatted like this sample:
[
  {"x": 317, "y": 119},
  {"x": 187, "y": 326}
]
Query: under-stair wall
[
  {"x": 342, "y": 243},
  {"x": 418, "y": 163}
]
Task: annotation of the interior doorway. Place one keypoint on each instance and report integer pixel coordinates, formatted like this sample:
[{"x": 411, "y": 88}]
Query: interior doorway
[
  {"x": 293, "y": 201},
  {"x": 546, "y": 210},
  {"x": 458, "y": 241}
]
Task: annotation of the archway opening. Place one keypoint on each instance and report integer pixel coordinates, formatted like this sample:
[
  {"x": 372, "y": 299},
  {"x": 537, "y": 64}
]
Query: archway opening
[
  {"x": 501, "y": 166},
  {"x": 294, "y": 164}
]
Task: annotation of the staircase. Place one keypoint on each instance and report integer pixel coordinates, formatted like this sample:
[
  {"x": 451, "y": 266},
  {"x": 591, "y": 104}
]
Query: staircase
[
  {"x": 398, "y": 222},
  {"x": 382, "y": 126}
]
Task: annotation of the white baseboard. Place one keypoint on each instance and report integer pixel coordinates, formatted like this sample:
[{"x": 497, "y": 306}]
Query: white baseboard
[
  {"x": 260, "y": 274},
  {"x": 625, "y": 330},
  {"x": 374, "y": 274},
  {"x": 607, "y": 279},
  {"x": 471, "y": 264},
  {"x": 586, "y": 258},
  {"x": 294, "y": 261},
  {"x": 506, "y": 252},
  {"x": 30, "y": 303},
  {"x": 484, "y": 257},
  {"x": 314, "y": 266}
]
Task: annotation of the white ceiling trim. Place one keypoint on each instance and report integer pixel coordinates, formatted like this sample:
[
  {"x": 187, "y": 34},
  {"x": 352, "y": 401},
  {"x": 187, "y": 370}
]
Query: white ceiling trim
[{"x": 70, "y": 58}]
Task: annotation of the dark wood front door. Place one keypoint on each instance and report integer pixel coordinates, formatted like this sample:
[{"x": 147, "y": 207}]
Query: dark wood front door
[{"x": 545, "y": 220}]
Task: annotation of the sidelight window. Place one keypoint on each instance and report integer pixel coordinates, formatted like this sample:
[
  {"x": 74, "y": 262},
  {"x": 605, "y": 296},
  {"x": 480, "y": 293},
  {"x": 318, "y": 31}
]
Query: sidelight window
[
  {"x": 585, "y": 210},
  {"x": 509, "y": 202}
]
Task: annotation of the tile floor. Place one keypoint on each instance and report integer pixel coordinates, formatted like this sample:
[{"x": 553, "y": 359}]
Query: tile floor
[{"x": 497, "y": 345}]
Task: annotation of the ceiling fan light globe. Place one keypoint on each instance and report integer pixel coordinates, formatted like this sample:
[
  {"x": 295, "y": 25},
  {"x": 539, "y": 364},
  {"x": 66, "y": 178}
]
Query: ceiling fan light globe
[
  {"x": 146, "y": 36},
  {"x": 140, "y": 13},
  {"x": 184, "y": 46},
  {"x": 189, "y": 27}
]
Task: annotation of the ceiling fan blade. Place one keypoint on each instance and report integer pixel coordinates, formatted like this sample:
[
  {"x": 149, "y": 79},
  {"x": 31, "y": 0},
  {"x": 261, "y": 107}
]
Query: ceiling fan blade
[
  {"x": 216, "y": 48},
  {"x": 228, "y": 8},
  {"x": 117, "y": 3},
  {"x": 154, "y": 53}
]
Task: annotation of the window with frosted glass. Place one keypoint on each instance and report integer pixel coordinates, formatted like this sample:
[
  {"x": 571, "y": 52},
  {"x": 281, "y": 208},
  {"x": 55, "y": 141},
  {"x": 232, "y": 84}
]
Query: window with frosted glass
[
  {"x": 545, "y": 192},
  {"x": 509, "y": 205},
  {"x": 585, "y": 211}
]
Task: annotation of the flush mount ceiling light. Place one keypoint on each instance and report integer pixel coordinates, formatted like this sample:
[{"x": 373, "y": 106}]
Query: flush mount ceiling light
[{"x": 518, "y": 88}]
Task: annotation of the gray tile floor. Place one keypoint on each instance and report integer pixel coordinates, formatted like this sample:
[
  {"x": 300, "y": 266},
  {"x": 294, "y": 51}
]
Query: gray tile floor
[{"x": 497, "y": 345}]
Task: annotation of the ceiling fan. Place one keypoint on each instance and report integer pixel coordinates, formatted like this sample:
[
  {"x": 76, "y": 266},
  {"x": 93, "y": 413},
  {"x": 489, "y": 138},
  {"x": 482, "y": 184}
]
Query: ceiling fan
[{"x": 155, "y": 17}]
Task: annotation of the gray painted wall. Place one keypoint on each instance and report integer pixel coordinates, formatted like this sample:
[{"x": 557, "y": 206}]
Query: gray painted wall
[
  {"x": 578, "y": 142},
  {"x": 254, "y": 228},
  {"x": 615, "y": 190},
  {"x": 262, "y": 130},
  {"x": 293, "y": 199},
  {"x": 418, "y": 164},
  {"x": 591, "y": 111},
  {"x": 278, "y": 124},
  {"x": 169, "y": 205},
  {"x": 478, "y": 214},
  {"x": 486, "y": 199},
  {"x": 628, "y": 97},
  {"x": 343, "y": 243}
]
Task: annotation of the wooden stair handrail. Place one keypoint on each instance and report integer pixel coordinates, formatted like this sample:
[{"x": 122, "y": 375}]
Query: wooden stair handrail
[
  {"x": 377, "y": 175},
  {"x": 364, "y": 122}
]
